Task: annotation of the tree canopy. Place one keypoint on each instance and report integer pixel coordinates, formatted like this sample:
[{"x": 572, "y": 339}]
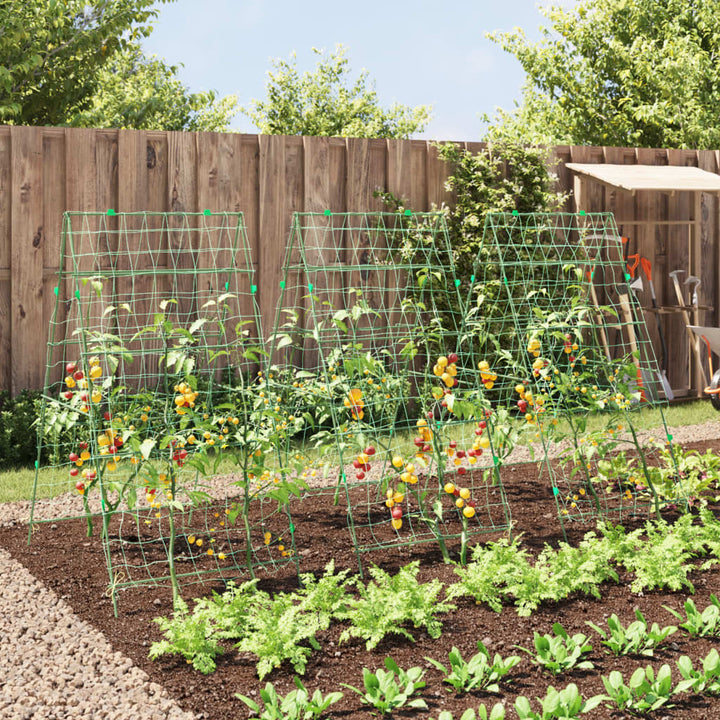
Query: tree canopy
[
  {"x": 639, "y": 73},
  {"x": 323, "y": 102},
  {"x": 136, "y": 91},
  {"x": 78, "y": 62}
]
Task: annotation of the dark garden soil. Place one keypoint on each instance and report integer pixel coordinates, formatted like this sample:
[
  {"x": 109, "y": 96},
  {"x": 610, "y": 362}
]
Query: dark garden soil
[{"x": 73, "y": 566}]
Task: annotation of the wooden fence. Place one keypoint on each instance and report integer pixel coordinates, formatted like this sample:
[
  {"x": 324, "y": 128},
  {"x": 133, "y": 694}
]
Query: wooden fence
[{"x": 46, "y": 171}]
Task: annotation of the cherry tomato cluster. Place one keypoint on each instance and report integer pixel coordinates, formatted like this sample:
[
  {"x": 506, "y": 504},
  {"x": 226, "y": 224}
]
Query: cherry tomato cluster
[
  {"x": 78, "y": 459},
  {"x": 362, "y": 462},
  {"x": 77, "y": 379},
  {"x": 487, "y": 376},
  {"x": 394, "y": 500},
  {"x": 463, "y": 499},
  {"x": 446, "y": 369}
]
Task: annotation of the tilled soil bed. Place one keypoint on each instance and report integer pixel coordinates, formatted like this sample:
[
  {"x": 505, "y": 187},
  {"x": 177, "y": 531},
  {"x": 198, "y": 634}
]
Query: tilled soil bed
[{"x": 74, "y": 567}]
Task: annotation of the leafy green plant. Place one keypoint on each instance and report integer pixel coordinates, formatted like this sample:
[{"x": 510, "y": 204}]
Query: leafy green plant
[
  {"x": 277, "y": 631},
  {"x": 388, "y": 602},
  {"x": 699, "y": 624},
  {"x": 327, "y": 595},
  {"x": 481, "y": 672},
  {"x": 484, "y": 578},
  {"x": 563, "y": 704},
  {"x": 388, "y": 690},
  {"x": 559, "y": 653},
  {"x": 644, "y": 693},
  {"x": 496, "y": 713},
  {"x": 703, "y": 682},
  {"x": 500, "y": 571},
  {"x": 635, "y": 639},
  {"x": 298, "y": 704},
  {"x": 190, "y": 635}
]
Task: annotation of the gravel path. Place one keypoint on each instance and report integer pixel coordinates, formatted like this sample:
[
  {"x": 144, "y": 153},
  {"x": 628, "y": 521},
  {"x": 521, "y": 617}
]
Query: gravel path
[{"x": 55, "y": 666}]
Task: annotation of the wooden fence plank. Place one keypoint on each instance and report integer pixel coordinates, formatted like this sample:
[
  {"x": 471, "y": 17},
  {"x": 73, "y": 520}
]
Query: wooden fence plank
[
  {"x": 5, "y": 258},
  {"x": 27, "y": 355},
  {"x": 54, "y": 194}
]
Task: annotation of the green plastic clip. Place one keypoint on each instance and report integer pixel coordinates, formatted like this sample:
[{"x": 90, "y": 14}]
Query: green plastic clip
[
  {"x": 343, "y": 476},
  {"x": 207, "y": 212},
  {"x": 253, "y": 289},
  {"x": 515, "y": 213},
  {"x": 472, "y": 278},
  {"x": 327, "y": 213},
  {"x": 77, "y": 294},
  {"x": 457, "y": 282},
  {"x": 669, "y": 437},
  {"x": 282, "y": 284},
  {"x": 582, "y": 213},
  {"x": 408, "y": 213},
  {"x": 496, "y": 461},
  {"x": 592, "y": 275},
  {"x": 227, "y": 286},
  {"x": 37, "y": 464},
  {"x": 310, "y": 287},
  {"x": 627, "y": 277},
  {"x": 556, "y": 492},
  {"x": 56, "y": 290},
  {"x": 505, "y": 280},
  {"x": 292, "y": 529},
  {"x": 111, "y": 212}
]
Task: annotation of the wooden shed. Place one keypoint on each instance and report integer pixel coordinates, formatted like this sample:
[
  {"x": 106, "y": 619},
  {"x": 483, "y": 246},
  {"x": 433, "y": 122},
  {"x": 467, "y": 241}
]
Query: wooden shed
[{"x": 668, "y": 246}]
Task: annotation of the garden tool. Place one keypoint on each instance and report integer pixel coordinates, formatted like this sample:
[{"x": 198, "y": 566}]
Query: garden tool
[
  {"x": 694, "y": 341},
  {"x": 695, "y": 282},
  {"x": 647, "y": 269},
  {"x": 636, "y": 283}
]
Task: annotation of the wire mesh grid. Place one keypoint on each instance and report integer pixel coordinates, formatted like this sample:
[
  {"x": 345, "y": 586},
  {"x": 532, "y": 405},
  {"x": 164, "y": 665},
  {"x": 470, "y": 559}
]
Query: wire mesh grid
[
  {"x": 369, "y": 303},
  {"x": 149, "y": 393},
  {"x": 560, "y": 332}
]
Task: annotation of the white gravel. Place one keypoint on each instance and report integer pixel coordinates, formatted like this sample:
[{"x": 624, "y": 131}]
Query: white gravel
[{"x": 55, "y": 666}]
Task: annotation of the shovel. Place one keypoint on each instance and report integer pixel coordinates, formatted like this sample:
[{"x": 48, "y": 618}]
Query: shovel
[{"x": 647, "y": 269}]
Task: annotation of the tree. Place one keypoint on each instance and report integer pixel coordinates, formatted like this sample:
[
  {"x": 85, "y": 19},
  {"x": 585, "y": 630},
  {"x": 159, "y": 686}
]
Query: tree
[
  {"x": 51, "y": 53},
  {"x": 135, "y": 91},
  {"x": 322, "y": 103},
  {"x": 639, "y": 73}
]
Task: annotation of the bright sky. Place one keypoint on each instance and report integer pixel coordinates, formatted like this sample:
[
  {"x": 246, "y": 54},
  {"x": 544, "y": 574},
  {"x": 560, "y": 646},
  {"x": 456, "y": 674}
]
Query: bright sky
[{"x": 418, "y": 52}]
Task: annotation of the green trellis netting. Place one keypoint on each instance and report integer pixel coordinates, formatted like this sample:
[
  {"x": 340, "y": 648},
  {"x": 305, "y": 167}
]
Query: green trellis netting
[
  {"x": 150, "y": 393},
  {"x": 369, "y": 318},
  {"x": 561, "y": 336}
]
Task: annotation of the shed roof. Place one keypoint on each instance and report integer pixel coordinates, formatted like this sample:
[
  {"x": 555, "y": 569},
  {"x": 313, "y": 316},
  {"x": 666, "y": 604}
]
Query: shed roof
[{"x": 659, "y": 178}]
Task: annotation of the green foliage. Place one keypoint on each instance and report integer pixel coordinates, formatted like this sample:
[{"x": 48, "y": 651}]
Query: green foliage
[
  {"x": 387, "y": 603},
  {"x": 481, "y": 672},
  {"x": 559, "y": 653},
  {"x": 324, "y": 103},
  {"x": 278, "y": 629},
  {"x": 660, "y": 560},
  {"x": 705, "y": 681},
  {"x": 637, "y": 73},
  {"x": 326, "y": 596},
  {"x": 190, "y": 635},
  {"x": 298, "y": 704},
  {"x": 503, "y": 177},
  {"x": 388, "y": 690},
  {"x": 51, "y": 53},
  {"x": 496, "y": 713},
  {"x": 636, "y": 639},
  {"x": 18, "y": 443},
  {"x": 563, "y": 704},
  {"x": 229, "y": 613},
  {"x": 645, "y": 692},
  {"x": 700, "y": 624},
  {"x": 500, "y": 570},
  {"x": 141, "y": 92}
]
